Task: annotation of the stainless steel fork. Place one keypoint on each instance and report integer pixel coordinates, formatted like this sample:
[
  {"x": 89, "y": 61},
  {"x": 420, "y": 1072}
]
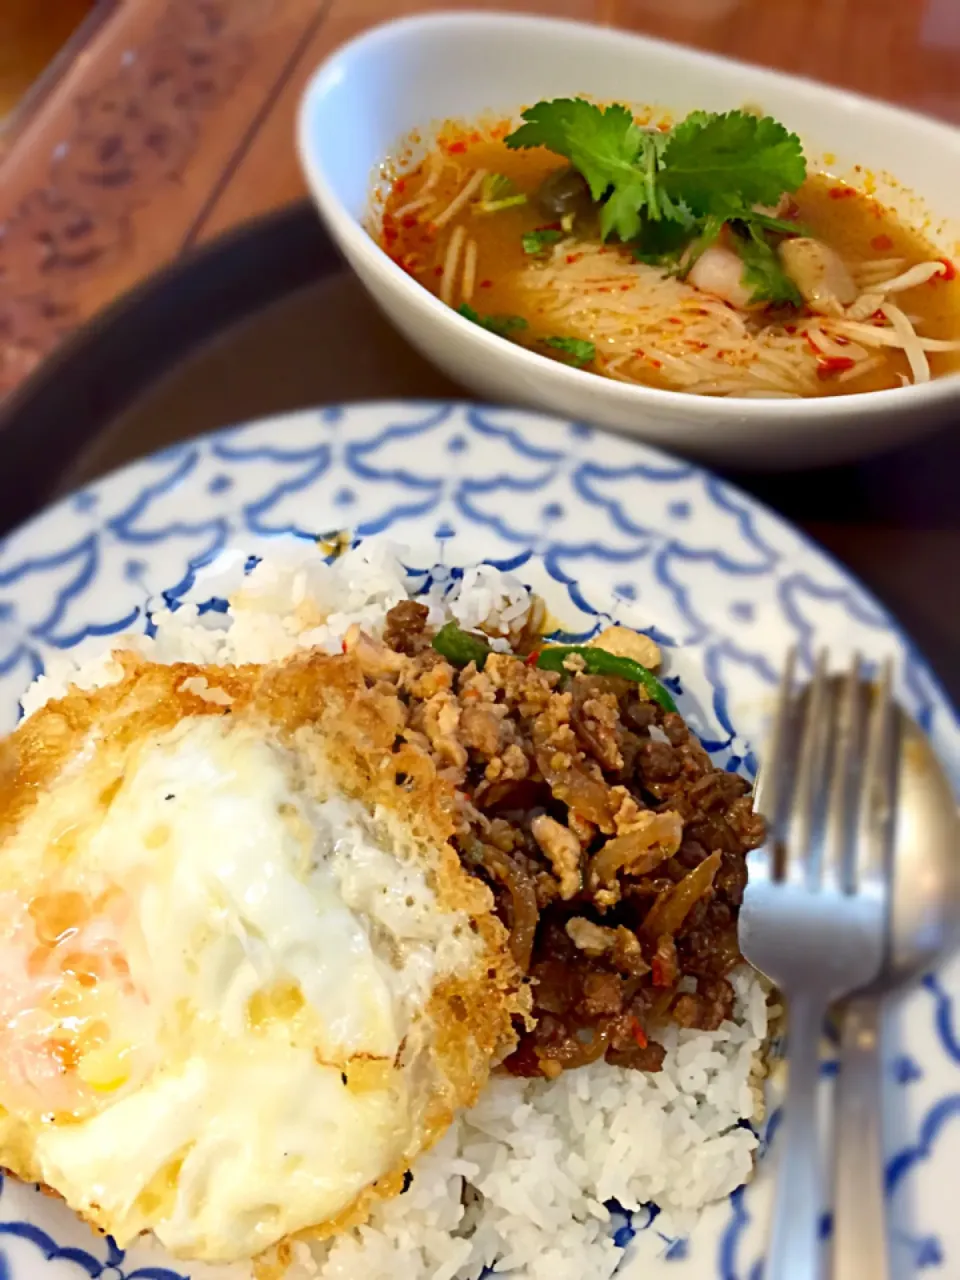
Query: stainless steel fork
[{"x": 814, "y": 913}]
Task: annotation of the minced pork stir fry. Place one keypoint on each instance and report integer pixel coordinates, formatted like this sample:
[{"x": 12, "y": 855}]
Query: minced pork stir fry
[{"x": 616, "y": 850}]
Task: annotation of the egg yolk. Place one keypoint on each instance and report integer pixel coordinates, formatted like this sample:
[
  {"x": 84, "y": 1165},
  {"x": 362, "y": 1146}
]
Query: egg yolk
[{"x": 64, "y": 981}]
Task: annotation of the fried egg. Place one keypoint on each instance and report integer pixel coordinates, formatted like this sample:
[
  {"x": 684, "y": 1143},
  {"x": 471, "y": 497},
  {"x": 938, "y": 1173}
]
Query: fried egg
[{"x": 243, "y": 977}]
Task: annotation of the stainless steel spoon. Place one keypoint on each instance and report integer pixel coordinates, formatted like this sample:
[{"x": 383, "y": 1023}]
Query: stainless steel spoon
[{"x": 924, "y": 926}]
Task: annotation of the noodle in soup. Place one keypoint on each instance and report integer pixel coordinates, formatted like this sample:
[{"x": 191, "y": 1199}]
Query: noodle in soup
[{"x": 513, "y": 239}]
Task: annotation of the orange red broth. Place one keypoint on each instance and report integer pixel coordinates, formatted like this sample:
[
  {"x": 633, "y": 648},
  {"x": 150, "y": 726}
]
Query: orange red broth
[{"x": 853, "y": 223}]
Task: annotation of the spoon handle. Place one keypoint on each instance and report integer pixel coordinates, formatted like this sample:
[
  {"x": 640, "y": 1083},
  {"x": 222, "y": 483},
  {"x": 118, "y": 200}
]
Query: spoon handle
[
  {"x": 795, "y": 1251},
  {"x": 860, "y": 1222}
]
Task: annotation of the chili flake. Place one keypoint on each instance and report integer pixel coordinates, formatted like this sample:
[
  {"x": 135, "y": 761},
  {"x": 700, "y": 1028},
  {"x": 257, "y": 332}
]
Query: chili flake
[{"x": 827, "y": 366}]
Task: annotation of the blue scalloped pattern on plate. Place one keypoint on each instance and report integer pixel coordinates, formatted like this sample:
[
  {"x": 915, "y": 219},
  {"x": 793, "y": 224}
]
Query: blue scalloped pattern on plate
[{"x": 605, "y": 528}]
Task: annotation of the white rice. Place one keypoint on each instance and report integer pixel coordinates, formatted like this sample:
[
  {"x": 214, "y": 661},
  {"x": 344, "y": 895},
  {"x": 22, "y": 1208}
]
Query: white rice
[
  {"x": 537, "y": 1160},
  {"x": 522, "y": 1181}
]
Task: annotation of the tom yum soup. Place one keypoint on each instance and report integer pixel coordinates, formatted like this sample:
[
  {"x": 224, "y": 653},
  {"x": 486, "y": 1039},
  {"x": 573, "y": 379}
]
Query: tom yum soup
[{"x": 703, "y": 258}]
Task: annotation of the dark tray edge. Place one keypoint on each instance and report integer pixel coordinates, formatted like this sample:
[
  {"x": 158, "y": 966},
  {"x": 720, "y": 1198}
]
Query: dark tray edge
[{"x": 50, "y": 418}]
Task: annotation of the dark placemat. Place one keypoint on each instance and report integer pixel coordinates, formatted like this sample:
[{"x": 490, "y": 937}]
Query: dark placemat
[{"x": 268, "y": 320}]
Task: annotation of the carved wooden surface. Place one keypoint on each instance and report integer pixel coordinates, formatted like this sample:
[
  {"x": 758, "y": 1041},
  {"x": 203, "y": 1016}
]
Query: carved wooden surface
[
  {"x": 113, "y": 175},
  {"x": 175, "y": 122}
]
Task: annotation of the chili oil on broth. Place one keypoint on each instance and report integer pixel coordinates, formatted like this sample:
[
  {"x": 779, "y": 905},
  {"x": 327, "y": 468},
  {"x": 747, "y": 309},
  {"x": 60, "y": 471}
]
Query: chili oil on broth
[
  {"x": 420, "y": 247},
  {"x": 863, "y": 230},
  {"x": 682, "y": 349}
]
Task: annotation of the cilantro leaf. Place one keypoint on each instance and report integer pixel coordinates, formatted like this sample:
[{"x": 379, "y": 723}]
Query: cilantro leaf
[
  {"x": 620, "y": 213},
  {"x": 502, "y": 326},
  {"x": 537, "y": 241},
  {"x": 763, "y": 271},
  {"x": 722, "y": 163},
  {"x": 566, "y": 124},
  {"x": 660, "y": 243},
  {"x": 606, "y": 145},
  {"x": 579, "y": 350},
  {"x": 709, "y": 166},
  {"x": 497, "y": 186},
  {"x": 676, "y": 247},
  {"x": 782, "y": 226},
  {"x": 497, "y": 192},
  {"x": 709, "y": 232}
]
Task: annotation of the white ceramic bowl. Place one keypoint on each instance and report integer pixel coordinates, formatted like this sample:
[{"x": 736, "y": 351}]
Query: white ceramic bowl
[{"x": 414, "y": 73}]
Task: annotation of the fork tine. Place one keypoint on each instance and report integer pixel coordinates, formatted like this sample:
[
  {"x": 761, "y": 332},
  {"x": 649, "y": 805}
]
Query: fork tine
[
  {"x": 836, "y": 872},
  {"x": 802, "y": 867},
  {"x": 767, "y": 797},
  {"x": 874, "y": 808}
]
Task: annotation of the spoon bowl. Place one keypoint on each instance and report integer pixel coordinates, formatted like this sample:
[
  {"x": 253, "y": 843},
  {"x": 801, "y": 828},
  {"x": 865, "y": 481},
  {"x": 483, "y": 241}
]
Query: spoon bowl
[
  {"x": 925, "y": 901},
  {"x": 923, "y": 927}
]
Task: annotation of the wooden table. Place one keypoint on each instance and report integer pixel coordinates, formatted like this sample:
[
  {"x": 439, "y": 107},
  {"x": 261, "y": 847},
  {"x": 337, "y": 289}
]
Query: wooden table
[{"x": 175, "y": 122}]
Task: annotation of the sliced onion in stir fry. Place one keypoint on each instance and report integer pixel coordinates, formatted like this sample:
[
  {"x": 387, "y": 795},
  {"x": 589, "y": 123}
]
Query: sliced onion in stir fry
[
  {"x": 639, "y": 852},
  {"x": 673, "y": 905},
  {"x": 523, "y": 899}
]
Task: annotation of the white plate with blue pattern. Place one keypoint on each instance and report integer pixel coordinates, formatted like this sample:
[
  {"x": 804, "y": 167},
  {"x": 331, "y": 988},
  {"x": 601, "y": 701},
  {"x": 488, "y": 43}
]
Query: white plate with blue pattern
[{"x": 606, "y": 527}]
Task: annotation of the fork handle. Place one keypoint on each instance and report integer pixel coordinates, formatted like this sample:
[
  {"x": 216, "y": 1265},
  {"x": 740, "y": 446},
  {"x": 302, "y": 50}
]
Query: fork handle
[
  {"x": 860, "y": 1227},
  {"x": 795, "y": 1251}
]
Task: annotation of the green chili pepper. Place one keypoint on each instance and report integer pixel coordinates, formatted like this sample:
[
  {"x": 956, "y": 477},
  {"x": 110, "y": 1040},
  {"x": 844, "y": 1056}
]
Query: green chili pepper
[
  {"x": 460, "y": 648},
  {"x": 600, "y": 663}
]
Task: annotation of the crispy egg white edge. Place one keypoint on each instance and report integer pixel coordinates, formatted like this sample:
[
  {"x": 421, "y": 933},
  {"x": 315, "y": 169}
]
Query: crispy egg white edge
[{"x": 218, "y": 1211}]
